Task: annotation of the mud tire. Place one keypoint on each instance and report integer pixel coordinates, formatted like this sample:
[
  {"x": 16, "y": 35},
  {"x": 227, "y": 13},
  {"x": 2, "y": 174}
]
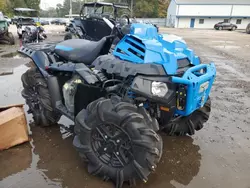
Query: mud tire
[
  {"x": 188, "y": 125},
  {"x": 8, "y": 38},
  {"x": 36, "y": 94},
  {"x": 68, "y": 36},
  {"x": 144, "y": 143},
  {"x": 248, "y": 29},
  {"x": 11, "y": 38}
]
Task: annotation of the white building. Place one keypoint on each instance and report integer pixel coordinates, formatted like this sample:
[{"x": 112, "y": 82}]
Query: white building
[{"x": 206, "y": 13}]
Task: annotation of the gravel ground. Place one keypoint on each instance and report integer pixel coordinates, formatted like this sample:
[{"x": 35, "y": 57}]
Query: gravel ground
[{"x": 216, "y": 157}]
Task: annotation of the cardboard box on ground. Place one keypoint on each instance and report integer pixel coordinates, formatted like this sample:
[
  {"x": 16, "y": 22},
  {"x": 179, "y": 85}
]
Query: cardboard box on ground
[{"x": 13, "y": 126}]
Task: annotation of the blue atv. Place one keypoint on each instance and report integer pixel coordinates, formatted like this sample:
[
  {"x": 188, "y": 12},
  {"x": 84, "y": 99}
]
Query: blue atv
[{"x": 120, "y": 101}]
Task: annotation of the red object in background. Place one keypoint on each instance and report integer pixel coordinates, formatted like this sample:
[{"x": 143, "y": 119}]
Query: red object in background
[{"x": 20, "y": 42}]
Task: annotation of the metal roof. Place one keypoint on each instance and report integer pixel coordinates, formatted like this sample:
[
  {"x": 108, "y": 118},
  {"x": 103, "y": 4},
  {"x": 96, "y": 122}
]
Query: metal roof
[
  {"x": 100, "y": 4},
  {"x": 213, "y": 2}
]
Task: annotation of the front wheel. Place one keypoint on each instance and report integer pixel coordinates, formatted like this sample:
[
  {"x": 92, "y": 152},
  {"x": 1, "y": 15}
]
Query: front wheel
[
  {"x": 118, "y": 141},
  {"x": 188, "y": 125}
]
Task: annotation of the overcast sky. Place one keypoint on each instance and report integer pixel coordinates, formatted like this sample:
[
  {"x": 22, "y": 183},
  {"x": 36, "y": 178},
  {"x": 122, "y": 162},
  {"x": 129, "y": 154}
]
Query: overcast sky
[{"x": 49, "y": 3}]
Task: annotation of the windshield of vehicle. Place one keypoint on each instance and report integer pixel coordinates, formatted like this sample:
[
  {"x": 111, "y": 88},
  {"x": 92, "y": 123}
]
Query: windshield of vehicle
[
  {"x": 98, "y": 10},
  {"x": 89, "y": 10}
]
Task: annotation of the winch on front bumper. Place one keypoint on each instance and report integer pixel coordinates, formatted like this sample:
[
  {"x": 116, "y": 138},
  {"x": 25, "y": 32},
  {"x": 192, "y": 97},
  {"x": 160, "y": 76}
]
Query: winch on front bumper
[{"x": 194, "y": 88}]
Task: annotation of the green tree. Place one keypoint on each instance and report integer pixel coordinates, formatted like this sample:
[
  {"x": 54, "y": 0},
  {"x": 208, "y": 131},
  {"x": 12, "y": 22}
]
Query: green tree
[
  {"x": 7, "y": 6},
  {"x": 59, "y": 9},
  {"x": 163, "y": 7},
  {"x": 3, "y": 5},
  {"x": 34, "y": 4}
]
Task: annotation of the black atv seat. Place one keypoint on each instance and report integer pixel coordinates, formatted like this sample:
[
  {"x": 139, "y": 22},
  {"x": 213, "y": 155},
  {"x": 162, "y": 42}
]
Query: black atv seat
[{"x": 80, "y": 50}]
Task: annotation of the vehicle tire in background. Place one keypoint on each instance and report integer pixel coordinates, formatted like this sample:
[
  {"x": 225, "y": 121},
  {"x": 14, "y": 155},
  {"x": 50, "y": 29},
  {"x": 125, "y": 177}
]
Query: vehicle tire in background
[
  {"x": 68, "y": 36},
  {"x": 220, "y": 28},
  {"x": 36, "y": 94},
  {"x": 11, "y": 38},
  {"x": 248, "y": 29},
  {"x": 188, "y": 125},
  {"x": 118, "y": 142},
  {"x": 233, "y": 29},
  {"x": 8, "y": 38},
  {"x": 24, "y": 37}
]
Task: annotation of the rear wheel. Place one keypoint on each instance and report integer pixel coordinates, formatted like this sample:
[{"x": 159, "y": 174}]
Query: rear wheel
[
  {"x": 38, "y": 98},
  {"x": 188, "y": 125},
  {"x": 220, "y": 28},
  {"x": 118, "y": 141}
]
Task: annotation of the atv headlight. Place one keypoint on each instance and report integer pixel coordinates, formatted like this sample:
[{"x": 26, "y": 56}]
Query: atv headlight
[{"x": 159, "y": 89}]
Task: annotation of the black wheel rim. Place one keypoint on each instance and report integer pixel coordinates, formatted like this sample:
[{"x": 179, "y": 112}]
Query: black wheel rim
[{"x": 112, "y": 145}]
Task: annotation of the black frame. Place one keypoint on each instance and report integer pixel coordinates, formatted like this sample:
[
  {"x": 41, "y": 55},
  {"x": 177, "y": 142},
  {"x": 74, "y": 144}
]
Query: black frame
[{"x": 96, "y": 5}]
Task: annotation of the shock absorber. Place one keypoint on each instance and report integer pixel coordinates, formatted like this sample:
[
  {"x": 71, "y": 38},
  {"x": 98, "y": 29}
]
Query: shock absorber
[{"x": 181, "y": 96}]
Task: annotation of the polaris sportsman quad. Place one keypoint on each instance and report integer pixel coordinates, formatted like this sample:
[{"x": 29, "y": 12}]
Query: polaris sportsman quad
[
  {"x": 119, "y": 101},
  {"x": 6, "y": 37},
  {"x": 90, "y": 24}
]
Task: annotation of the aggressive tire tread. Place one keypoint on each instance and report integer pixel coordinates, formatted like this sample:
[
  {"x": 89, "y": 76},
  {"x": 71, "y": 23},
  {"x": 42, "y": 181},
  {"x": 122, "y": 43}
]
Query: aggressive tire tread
[
  {"x": 146, "y": 143},
  {"x": 35, "y": 89},
  {"x": 188, "y": 125}
]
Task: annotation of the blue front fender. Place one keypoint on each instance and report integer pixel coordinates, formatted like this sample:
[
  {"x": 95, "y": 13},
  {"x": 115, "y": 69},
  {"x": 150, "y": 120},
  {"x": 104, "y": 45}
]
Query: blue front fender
[{"x": 198, "y": 86}]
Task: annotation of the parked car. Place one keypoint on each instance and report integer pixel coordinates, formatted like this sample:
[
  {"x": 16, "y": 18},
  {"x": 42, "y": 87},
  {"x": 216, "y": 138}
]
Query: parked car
[
  {"x": 44, "y": 22},
  {"x": 248, "y": 29},
  {"x": 58, "y": 22},
  {"x": 225, "y": 26}
]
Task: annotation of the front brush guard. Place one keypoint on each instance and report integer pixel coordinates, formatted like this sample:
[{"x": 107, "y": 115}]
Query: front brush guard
[{"x": 198, "y": 85}]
